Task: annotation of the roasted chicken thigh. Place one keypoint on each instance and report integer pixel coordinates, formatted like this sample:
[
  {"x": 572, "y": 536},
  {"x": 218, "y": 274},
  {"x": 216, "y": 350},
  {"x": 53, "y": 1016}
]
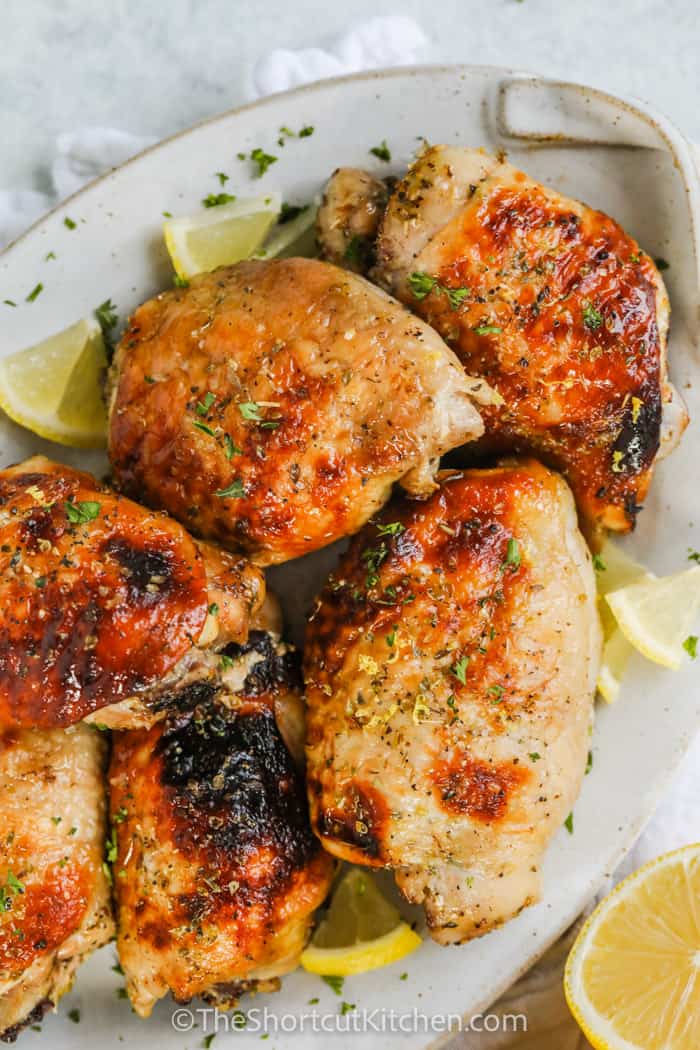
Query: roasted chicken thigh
[
  {"x": 55, "y": 906},
  {"x": 105, "y": 605},
  {"x": 272, "y": 405},
  {"x": 552, "y": 303},
  {"x": 217, "y": 872},
  {"x": 450, "y": 668}
]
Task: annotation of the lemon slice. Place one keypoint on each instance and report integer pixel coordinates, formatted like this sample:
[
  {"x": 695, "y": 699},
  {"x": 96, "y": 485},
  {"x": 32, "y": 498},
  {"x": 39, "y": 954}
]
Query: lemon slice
[
  {"x": 221, "y": 235},
  {"x": 361, "y": 931},
  {"x": 296, "y": 237},
  {"x": 656, "y": 615},
  {"x": 632, "y": 979},
  {"x": 615, "y": 569},
  {"x": 55, "y": 388}
]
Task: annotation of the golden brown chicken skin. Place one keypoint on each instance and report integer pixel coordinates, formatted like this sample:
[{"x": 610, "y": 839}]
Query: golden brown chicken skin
[
  {"x": 103, "y": 600},
  {"x": 217, "y": 871},
  {"x": 55, "y": 906},
  {"x": 450, "y": 668},
  {"x": 555, "y": 305},
  {"x": 272, "y": 405}
]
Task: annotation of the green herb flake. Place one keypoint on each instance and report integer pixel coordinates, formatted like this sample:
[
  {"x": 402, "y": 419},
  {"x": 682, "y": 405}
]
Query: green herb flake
[
  {"x": 225, "y": 663},
  {"x": 359, "y": 251},
  {"x": 307, "y": 130},
  {"x": 74, "y": 1015},
  {"x": 589, "y": 763},
  {"x": 180, "y": 282},
  {"x": 263, "y": 160},
  {"x": 82, "y": 512},
  {"x": 592, "y": 318},
  {"x": 391, "y": 638},
  {"x": 14, "y": 884},
  {"x": 238, "y": 1019},
  {"x": 382, "y": 152},
  {"x": 204, "y": 428},
  {"x": 487, "y": 329},
  {"x": 49, "y": 256},
  {"x": 69, "y": 223},
  {"x": 403, "y": 977},
  {"x": 231, "y": 449},
  {"x": 347, "y": 1008},
  {"x": 290, "y": 211},
  {"x": 569, "y": 823},
  {"x": 691, "y": 646},
  {"x": 335, "y": 983},
  {"x": 459, "y": 669},
  {"x": 215, "y": 200},
  {"x": 222, "y": 177},
  {"x": 56, "y": 820},
  {"x": 314, "y": 1001},
  {"x": 35, "y": 292},
  {"x": 213, "y": 609},
  {"x": 235, "y": 490},
  {"x": 421, "y": 284},
  {"x": 513, "y": 557},
  {"x": 120, "y": 815},
  {"x": 534, "y": 756},
  {"x": 203, "y": 406},
  {"x": 167, "y": 214},
  {"x": 598, "y": 563},
  {"x": 250, "y": 410},
  {"x": 392, "y": 528},
  {"x": 496, "y": 691},
  {"x": 9, "y": 302},
  {"x": 693, "y": 555},
  {"x": 106, "y": 317},
  {"x": 661, "y": 264},
  {"x": 208, "y": 1040},
  {"x": 111, "y": 847}
]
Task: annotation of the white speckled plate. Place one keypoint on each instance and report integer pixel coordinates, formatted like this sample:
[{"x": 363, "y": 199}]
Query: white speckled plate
[{"x": 613, "y": 154}]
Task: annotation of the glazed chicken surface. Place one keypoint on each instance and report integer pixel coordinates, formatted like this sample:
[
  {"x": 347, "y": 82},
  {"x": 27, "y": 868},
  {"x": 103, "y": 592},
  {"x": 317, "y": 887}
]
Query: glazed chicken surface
[
  {"x": 55, "y": 906},
  {"x": 105, "y": 605},
  {"x": 551, "y": 302},
  {"x": 272, "y": 405},
  {"x": 217, "y": 870},
  {"x": 450, "y": 669}
]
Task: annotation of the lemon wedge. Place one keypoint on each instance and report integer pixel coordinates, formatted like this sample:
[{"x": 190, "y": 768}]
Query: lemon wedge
[
  {"x": 55, "y": 388},
  {"x": 361, "y": 930},
  {"x": 632, "y": 979},
  {"x": 614, "y": 569},
  {"x": 656, "y": 615},
  {"x": 295, "y": 237},
  {"x": 221, "y": 235}
]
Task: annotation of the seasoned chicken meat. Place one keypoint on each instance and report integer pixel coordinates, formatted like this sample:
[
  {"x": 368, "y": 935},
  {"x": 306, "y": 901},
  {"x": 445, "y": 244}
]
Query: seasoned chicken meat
[
  {"x": 555, "y": 305},
  {"x": 105, "y": 605},
  {"x": 349, "y": 216},
  {"x": 217, "y": 871},
  {"x": 450, "y": 668},
  {"x": 55, "y": 906},
  {"x": 272, "y": 405}
]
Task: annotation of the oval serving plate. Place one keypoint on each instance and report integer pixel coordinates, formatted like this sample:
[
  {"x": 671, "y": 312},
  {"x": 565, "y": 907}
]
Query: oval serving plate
[{"x": 612, "y": 153}]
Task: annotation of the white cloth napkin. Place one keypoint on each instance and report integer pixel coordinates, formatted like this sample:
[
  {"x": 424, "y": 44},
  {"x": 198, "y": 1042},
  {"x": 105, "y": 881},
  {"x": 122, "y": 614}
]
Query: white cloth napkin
[{"x": 384, "y": 41}]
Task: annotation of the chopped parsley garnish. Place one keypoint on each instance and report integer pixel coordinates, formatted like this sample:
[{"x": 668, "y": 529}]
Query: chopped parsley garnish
[
  {"x": 250, "y": 410},
  {"x": 496, "y": 691},
  {"x": 222, "y": 177},
  {"x": 661, "y": 264},
  {"x": 455, "y": 296},
  {"x": 392, "y": 528},
  {"x": 569, "y": 823},
  {"x": 56, "y": 820},
  {"x": 49, "y": 256},
  {"x": 487, "y": 329},
  {"x": 263, "y": 160},
  {"x": 203, "y": 406},
  {"x": 374, "y": 557},
  {"x": 40, "y": 582},
  {"x": 9, "y": 302},
  {"x": 592, "y": 318},
  {"x": 120, "y": 816},
  {"x": 213, "y": 200},
  {"x": 225, "y": 663},
  {"x": 239, "y": 1019},
  {"x": 513, "y": 558},
  {"x": 82, "y": 512},
  {"x": 291, "y": 211},
  {"x": 111, "y": 847},
  {"x": 307, "y": 130},
  {"x": 691, "y": 646},
  {"x": 459, "y": 669},
  {"x": 35, "y": 292},
  {"x": 693, "y": 555},
  {"x": 231, "y": 449},
  {"x": 336, "y": 983},
  {"x": 234, "y": 491},
  {"x": 69, "y": 223},
  {"x": 106, "y": 317},
  {"x": 13, "y": 882},
  {"x": 534, "y": 756},
  {"x": 167, "y": 214},
  {"x": 74, "y": 1015},
  {"x": 589, "y": 762},
  {"x": 359, "y": 250},
  {"x": 347, "y": 1008},
  {"x": 598, "y": 563},
  {"x": 213, "y": 609},
  {"x": 204, "y": 428},
  {"x": 403, "y": 977},
  {"x": 422, "y": 284},
  {"x": 312, "y": 1002},
  {"x": 382, "y": 152},
  {"x": 391, "y": 638},
  {"x": 208, "y": 1040},
  {"x": 180, "y": 282}
]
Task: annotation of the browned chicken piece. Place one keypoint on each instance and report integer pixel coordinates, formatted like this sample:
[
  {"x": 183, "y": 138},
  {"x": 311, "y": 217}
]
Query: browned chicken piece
[
  {"x": 552, "y": 303},
  {"x": 272, "y": 405},
  {"x": 55, "y": 907},
  {"x": 349, "y": 216},
  {"x": 450, "y": 669},
  {"x": 106, "y": 605},
  {"x": 217, "y": 872}
]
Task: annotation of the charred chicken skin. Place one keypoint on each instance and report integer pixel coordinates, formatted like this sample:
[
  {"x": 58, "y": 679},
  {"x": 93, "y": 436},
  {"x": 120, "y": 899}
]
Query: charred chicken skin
[
  {"x": 55, "y": 906},
  {"x": 552, "y": 303},
  {"x": 272, "y": 405},
  {"x": 105, "y": 604},
  {"x": 450, "y": 668},
  {"x": 217, "y": 870}
]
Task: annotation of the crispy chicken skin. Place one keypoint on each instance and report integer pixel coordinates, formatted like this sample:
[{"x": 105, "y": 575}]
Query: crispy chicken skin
[
  {"x": 104, "y": 602},
  {"x": 55, "y": 906},
  {"x": 217, "y": 871},
  {"x": 349, "y": 216},
  {"x": 450, "y": 668},
  {"x": 272, "y": 405},
  {"x": 558, "y": 308}
]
